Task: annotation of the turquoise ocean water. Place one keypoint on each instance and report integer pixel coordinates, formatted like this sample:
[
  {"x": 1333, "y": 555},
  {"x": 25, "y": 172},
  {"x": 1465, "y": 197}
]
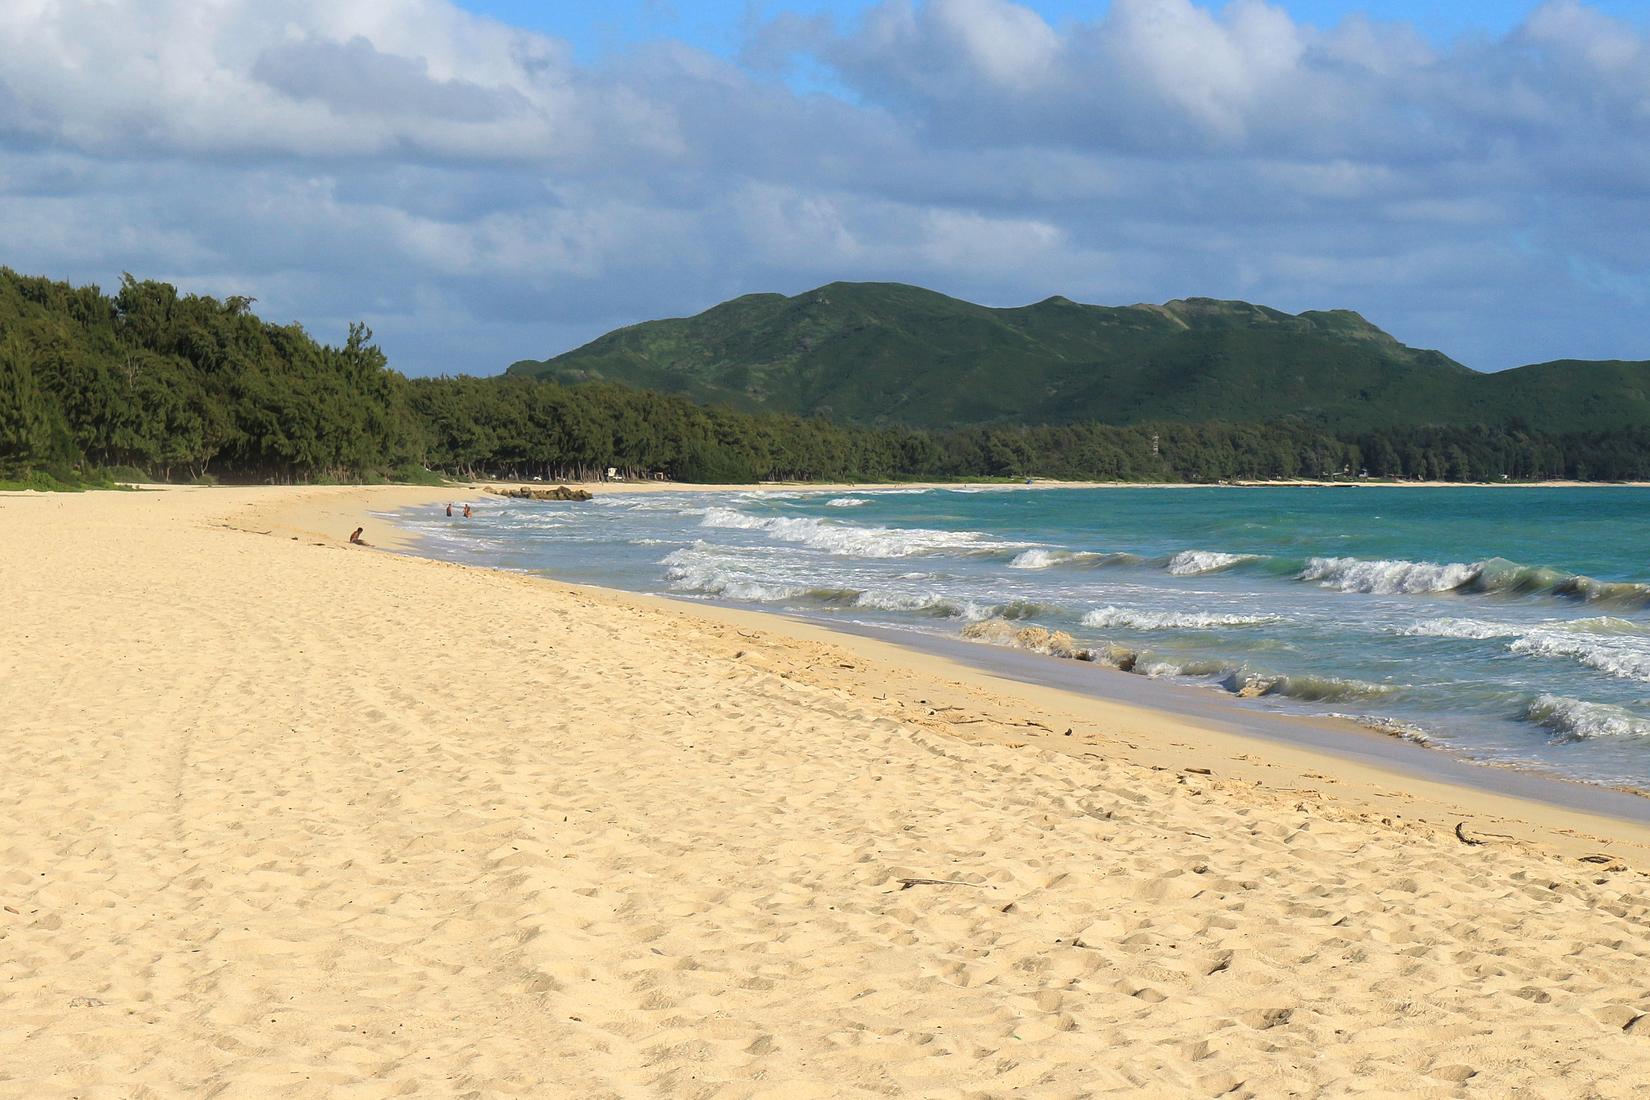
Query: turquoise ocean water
[{"x": 1511, "y": 625}]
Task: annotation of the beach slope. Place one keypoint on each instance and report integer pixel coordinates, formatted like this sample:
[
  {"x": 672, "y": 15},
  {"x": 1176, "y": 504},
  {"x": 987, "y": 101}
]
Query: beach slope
[{"x": 292, "y": 818}]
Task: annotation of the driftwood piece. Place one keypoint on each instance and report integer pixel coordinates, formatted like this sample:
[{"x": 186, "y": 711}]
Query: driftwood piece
[
  {"x": 907, "y": 883},
  {"x": 1461, "y": 835}
]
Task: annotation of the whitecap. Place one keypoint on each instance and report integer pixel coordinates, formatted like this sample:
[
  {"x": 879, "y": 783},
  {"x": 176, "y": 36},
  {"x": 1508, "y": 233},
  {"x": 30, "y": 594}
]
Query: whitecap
[
  {"x": 1043, "y": 559},
  {"x": 1624, "y": 656},
  {"x": 1577, "y": 720},
  {"x": 1189, "y": 563},
  {"x": 1125, "y": 618},
  {"x": 1472, "y": 629},
  {"x": 930, "y": 603},
  {"x": 1048, "y": 559},
  {"x": 1388, "y": 577},
  {"x": 693, "y": 569},
  {"x": 1390, "y": 726},
  {"x": 851, "y": 539},
  {"x": 1307, "y": 688}
]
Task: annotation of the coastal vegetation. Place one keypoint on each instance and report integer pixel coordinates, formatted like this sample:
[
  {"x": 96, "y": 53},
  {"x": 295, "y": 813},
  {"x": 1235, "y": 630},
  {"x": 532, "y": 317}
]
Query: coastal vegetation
[{"x": 152, "y": 383}]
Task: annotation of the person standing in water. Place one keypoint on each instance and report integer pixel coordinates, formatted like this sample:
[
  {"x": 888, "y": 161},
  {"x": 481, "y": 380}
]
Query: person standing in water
[
  {"x": 449, "y": 511},
  {"x": 466, "y": 511}
]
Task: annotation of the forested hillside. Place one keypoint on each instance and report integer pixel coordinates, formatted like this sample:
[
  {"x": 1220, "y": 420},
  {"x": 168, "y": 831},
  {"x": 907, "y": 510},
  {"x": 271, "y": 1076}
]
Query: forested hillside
[
  {"x": 184, "y": 386},
  {"x": 885, "y": 353},
  {"x": 153, "y": 383}
]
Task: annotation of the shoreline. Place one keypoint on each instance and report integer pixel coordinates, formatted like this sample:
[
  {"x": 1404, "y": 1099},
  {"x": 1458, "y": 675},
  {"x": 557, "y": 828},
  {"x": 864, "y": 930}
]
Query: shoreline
[
  {"x": 333, "y": 819},
  {"x": 1339, "y": 737},
  {"x": 1330, "y": 741},
  {"x": 1344, "y": 738}
]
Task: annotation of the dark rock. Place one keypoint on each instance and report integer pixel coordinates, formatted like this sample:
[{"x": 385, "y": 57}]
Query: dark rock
[{"x": 560, "y": 492}]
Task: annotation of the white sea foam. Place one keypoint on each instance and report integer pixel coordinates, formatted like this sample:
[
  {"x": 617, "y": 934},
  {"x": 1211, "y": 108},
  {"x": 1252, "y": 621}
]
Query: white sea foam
[
  {"x": 663, "y": 502},
  {"x": 1392, "y": 726},
  {"x": 1043, "y": 559},
  {"x": 693, "y": 569},
  {"x": 1039, "y": 559},
  {"x": 846, "y": 502},
  {"x": 1578, "y": 720},
  {"x": 1474, "y": 629},
  {"x": 850, "y": 539},
  {"x": 1388, "y": 578},
  {"x": 1159, "y": 667},
  {"x": 1311, "y": 689},
  {"x": 885, "y": 600},
  {"x": 1125, "y": 618},
  {"x": 929, "y": 603},
  {"x": 733, "y": 518},
  {"x": 1621, "y": 655},
  {"x": 1189, "y": 563},
  {"x": 1615, "y": 646},
  {"x": 1047, "y": 559}
]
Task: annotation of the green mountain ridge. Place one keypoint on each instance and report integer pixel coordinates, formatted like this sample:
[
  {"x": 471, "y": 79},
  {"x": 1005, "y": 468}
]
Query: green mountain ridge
[{"x": 888, "y": 353}]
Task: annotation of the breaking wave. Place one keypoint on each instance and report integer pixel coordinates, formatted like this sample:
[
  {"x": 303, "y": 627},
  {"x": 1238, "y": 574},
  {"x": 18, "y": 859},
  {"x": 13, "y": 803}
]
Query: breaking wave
[
  {"x": 700, "y": 570},
  {"x": 1042, "y": 559},
  {"x": 1493, "y": 576},
  {"x": 1189, "y": 563},
  {"x": 1148, "y": 665},
  {"x": 1242, "y": 682},
  {"x": 692, "y": 569},
  {"x": 1308, "y": 689},
  {"x": 1035, "y": 639},
  {"x": 1170, "y": 620},
  {"x": 1050, "y": 559},
  {"x": 846, "y": 502},
  {"x": 1576, "y": 720},
  {"x": 1392, "y": 727},
  {"x": 1622, "y": 656},
  {"x": 1617, "y": 647},
  {"x": 1498, "y": 575},
  {"x": 1387, "y": 578},
  {"x": 851, "y": 540},
  {"x": 1470, "y": 629}
]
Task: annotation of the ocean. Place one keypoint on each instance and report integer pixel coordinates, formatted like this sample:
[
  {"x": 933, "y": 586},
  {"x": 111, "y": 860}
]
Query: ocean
[{"x": 1508, "y": 625}]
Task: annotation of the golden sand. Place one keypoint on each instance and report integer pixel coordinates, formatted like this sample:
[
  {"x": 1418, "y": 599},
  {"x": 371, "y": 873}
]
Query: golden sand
[{"x": 290, "y": 818}]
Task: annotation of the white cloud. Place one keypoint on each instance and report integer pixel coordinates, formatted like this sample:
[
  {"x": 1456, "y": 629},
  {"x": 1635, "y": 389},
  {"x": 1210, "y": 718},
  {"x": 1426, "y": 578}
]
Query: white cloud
[
  {"x": 1215, "y": 72},
  {"x": 480, "y": 195}
]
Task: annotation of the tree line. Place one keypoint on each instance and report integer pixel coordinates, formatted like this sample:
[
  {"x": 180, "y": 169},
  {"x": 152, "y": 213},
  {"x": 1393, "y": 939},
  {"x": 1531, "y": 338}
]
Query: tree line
[{"x": 179, "y": 387}]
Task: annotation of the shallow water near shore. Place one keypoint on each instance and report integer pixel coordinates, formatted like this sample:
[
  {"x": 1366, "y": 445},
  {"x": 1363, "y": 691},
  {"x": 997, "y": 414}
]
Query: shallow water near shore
[{"x": 1511, "y": 626}]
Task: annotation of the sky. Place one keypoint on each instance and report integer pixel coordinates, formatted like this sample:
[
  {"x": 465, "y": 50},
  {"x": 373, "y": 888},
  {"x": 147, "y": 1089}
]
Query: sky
[
  {"x": 492, "y": 180},
  {"x": 719, "y": 26}
]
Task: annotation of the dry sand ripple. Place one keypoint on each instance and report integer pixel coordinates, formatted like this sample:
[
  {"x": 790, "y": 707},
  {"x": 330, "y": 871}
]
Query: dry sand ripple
[{"x": 294, "y": 820}]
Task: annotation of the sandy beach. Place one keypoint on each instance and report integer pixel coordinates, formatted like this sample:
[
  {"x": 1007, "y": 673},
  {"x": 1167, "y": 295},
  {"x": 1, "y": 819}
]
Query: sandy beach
[{"x": 293, "y": 818}]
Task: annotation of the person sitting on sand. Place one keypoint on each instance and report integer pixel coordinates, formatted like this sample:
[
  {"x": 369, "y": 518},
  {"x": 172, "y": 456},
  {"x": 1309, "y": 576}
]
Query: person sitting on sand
[{"x": 356, "y": 539}]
